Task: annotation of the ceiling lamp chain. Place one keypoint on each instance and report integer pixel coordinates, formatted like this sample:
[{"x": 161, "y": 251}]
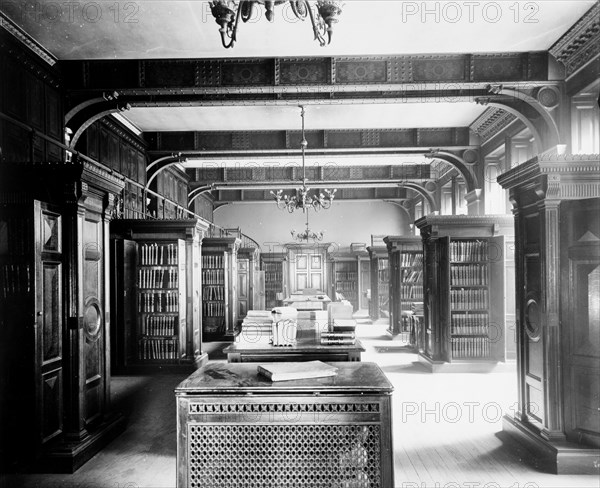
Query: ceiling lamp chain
[
  {"x": 227, "y": 14},
  {"x": 303, "y": 199}
]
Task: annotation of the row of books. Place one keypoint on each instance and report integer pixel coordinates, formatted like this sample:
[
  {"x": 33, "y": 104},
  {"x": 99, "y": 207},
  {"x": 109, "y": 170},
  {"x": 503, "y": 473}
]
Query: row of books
[
  {"x": 155, "y": 254},
  {"x": 466, "y": 299},
  {"x": 273, "y": 276},
  {"x": 410, "y": 260},
  {"x": 470, "y": 347},
  {"x": 470, "y": 323},
  {"x": 164, "y": 301},
  {"x": 213, "y": 293},
  {"x": 411, "y": 292},
  {"x": 469, "y": 275},
  {"x": 414, "y": 276},
  {"x": 157, "y": 278},
  {"x": 17, "y": 232},
  {"x": 212, "y": 261},
  {"x": 213, "y": 309},
  {"x": 151, "y": 348},
  {"x": 346, "y": 285},
  {"x": 382, "y": 264},
  {"x": 468, "y": 251},
  {"x": 160, "y": 325},
  {"x": 213, "y": 276},
  {"x": 15, "y": 279},
  {"x": 272, "y": 268},
  {"x": 273, "y": 285},
  {"x": 346, "y": 275}
]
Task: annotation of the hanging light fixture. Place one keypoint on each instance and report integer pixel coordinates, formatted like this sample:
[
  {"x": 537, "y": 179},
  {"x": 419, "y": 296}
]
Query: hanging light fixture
[
  {"x": 303, "y": 199},
  {"x": 227, "y": 14},
  {"x": 307, "y": 234}
]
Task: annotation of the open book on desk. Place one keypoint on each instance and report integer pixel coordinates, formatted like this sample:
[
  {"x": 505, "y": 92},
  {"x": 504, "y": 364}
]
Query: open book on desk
[{"x": 296, "y": 370}]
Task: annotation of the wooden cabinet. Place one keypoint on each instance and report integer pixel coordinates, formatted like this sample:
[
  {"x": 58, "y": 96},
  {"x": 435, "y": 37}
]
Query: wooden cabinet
[
  {"x": 235, "y": 428},
  {"x": 55, "y": 314},
  {"x": 219, "y": 288},
  {"x": 556, "y": 204},
  {"x": 274, "y": 266},
  {"x": 380, "y": 282},
  {"x": 406, "y": 286},
  {"x": 464, "y": 302},
  {"x": 156, "y": 293}
]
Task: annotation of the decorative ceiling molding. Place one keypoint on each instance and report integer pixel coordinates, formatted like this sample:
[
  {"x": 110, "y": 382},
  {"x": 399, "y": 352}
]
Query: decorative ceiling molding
[
  {"x": 491, "y": 122},
  {"x": 368, "y": 72},
  {"x": 581, "y": 43},
  {"x": 366, "y": 139},
  {"x": 9, "y": 26}
]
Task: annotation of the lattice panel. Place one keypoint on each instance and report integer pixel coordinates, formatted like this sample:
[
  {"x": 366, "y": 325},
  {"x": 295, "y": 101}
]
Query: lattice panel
[{"x": 277, "y": 455}]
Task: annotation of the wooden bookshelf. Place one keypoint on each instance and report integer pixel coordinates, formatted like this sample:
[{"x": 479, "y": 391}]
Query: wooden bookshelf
[
  {"x": 380, "y": 279},
  {"x": 274, "y": 267},
  {"x": 156, "y": 294},
  {"x": 406, "y": 286},
  {"x": 345, "y": 278},
  {"x": 464, "y": 273},
  {"x": 219, "y": 288}
]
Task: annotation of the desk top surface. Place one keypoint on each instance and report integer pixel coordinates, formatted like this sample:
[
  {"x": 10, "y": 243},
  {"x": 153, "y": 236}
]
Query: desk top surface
[
  {"x": 302, "y": 345},
  {"x": 242, "y": 378}
]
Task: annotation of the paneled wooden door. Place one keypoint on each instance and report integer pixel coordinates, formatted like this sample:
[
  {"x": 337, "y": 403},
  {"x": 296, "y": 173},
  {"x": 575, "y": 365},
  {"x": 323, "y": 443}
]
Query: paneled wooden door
[
  {"x": 308, "y": 269},
  {"x": 48, "y": 335},
  {"x": 243, "y": 287}
]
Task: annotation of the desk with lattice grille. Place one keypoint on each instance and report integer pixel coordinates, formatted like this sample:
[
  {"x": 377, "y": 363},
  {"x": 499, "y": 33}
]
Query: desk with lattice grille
[{"x": 238, "y": 429}]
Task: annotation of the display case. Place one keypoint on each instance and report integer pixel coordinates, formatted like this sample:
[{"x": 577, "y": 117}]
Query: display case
[
  {"x": 156, "y": 294},
  {"x": 219, "y": 288},
  {"x": 380, "y": 280},
  {"x": 464, "y": 291},
  {"x": 274, "y": 266},
  {"x": 238, "y": 428},
  {"x": 406, "y": 287}
]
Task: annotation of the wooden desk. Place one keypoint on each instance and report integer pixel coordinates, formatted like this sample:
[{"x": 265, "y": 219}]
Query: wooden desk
[
  {"x": 236, "y": 428},
  {"x": 304, "y": 350}
]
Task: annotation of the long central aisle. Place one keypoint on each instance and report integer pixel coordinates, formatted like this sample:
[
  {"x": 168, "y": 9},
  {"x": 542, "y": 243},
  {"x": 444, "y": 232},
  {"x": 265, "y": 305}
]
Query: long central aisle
[{"x": 445, "y": 430}]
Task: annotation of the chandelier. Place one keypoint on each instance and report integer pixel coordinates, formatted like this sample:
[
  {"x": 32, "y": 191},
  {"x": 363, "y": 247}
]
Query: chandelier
[
  {"x": 303, "y": 198},
  {"x": 227, "y": 14},
  {"x": 307, "y": 234}
]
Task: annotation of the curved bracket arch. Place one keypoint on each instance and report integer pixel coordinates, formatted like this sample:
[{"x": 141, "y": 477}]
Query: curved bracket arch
[
  {"x": 196, "y": 192},
  {"x": 85, "y": 117},
  {"x": 553, "y": 132},
  {"x": 424, "y": 193},
  {"x": 459, "y": 163}
]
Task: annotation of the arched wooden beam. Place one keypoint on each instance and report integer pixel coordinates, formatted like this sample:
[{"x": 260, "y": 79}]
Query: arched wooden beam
[
  {"x": 196, "y": 192},
  {"x": 85, "y": 117},
  {"x": 459, "y": 164},
  {"x": 424, "y": 193},
  {"x": 553, "y": 131}
]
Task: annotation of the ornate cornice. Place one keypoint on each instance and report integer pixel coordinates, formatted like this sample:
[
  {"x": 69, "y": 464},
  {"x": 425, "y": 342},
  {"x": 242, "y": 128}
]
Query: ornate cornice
[
  {"x": 9, "y": 26},
  {"x": 465, "y": 220},
  {"x": 557, "y": 176},
  {"x": 581, "y": 43},
  {"x": 491, "y": 122}
]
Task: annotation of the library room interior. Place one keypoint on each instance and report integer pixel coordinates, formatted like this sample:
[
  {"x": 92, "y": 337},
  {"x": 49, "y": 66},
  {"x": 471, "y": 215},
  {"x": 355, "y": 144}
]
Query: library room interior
[{"x": 304, "y": 243}]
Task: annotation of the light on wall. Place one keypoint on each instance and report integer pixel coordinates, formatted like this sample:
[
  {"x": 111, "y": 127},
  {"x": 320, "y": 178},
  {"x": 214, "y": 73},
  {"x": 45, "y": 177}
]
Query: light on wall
[
  {"x": 227, "y": 14},
  {"x": 303, "y": 199}
]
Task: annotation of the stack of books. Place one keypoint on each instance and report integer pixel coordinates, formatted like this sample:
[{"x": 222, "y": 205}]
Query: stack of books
[
  {"x": 417, "y": 308},
  {"x": 257, "y": 327},
  {"x": 296, "y": 370},
  {"x": 341, "y": 332}
]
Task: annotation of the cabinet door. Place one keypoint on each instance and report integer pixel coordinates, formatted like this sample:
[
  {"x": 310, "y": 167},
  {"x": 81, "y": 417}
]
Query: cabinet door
[
  {"x": 48, "y": 322},
  {"x": 123, "y": 339},
  {"x": 243, "y": 287},
  {"x": 582, "y": 419}
]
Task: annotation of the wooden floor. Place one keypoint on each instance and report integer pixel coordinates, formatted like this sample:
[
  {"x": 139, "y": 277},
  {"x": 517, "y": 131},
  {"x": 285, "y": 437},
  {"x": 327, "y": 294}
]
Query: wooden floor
[{"x": 447, "y": 431}]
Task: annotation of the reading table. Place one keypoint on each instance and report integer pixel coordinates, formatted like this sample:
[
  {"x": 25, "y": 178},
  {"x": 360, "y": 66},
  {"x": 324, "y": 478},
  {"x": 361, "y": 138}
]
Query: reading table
[{"x": 237, "y": 428}]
